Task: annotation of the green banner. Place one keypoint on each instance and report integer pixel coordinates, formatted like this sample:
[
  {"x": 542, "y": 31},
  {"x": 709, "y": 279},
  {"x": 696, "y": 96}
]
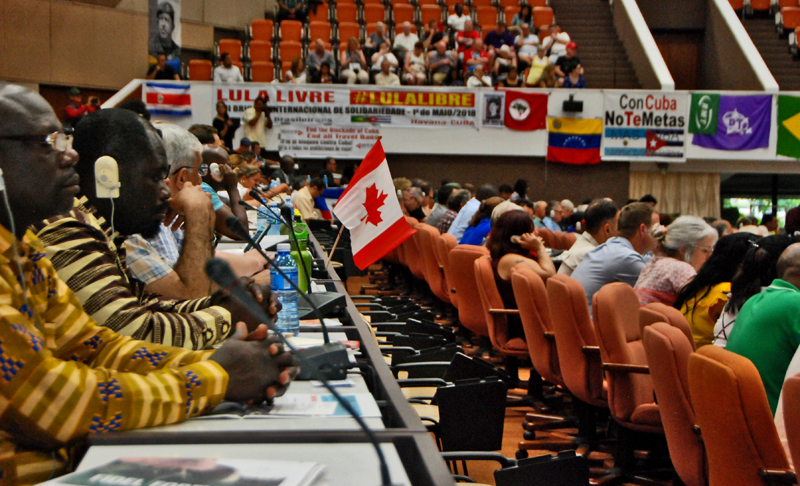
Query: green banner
[
  {"x": 704, "y": 113},
  {"x": 789, "y": 126}
]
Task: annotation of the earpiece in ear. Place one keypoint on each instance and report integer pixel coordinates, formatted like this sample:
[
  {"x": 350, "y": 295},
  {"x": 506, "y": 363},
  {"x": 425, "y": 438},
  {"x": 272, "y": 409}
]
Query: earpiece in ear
[{"x": 106, "y": 177}]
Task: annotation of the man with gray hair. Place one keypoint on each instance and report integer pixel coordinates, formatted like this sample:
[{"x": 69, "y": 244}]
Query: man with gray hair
[
  {"x": 567, "y": 223},
  {"x": 319, "y": 56}
]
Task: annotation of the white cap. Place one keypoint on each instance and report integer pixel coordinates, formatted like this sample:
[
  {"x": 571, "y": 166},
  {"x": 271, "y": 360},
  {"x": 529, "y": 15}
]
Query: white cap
[{"x": 284, "y": 247}]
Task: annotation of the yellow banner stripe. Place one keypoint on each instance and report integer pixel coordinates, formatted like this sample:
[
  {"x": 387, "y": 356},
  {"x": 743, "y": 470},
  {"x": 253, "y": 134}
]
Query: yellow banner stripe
[{"x": 575, "y": 126}]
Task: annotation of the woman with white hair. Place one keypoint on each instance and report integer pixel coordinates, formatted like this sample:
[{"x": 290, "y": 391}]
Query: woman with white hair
[{"x": 683, "y": 247}]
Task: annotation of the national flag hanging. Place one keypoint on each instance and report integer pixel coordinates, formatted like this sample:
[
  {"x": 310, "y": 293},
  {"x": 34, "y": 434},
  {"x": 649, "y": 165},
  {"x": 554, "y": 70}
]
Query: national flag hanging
[
  {"x": 370, "y": 210},
  {"x": 525, "y": 111},
  {"x": 743, "y": 123},
  {"x": 168, "y": 99},
  {"x": 574, "y": 141},
  {"x": 789, "y": 126},
  {"x": 704, "y": 113}
]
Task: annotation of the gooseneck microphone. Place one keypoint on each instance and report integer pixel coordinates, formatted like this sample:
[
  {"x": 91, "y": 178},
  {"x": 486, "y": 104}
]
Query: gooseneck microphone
[{"x": 220, "y": 273}]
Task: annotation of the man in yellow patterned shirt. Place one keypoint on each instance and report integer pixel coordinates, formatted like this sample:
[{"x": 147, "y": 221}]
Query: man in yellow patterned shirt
[{"x": 62, "y": 376}]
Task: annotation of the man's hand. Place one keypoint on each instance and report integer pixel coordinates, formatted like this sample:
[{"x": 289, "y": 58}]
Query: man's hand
[
  {"x": 261, "y": 293},
  {"x": 189, "y": 200},
  {"x": 257, "y": 369},
  {"x": 229, "y": 180},
  {"x": 529, "y": 241}
]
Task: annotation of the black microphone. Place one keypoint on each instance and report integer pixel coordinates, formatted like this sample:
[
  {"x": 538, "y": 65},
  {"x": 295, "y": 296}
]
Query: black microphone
[{"x": 220, "y": 273}]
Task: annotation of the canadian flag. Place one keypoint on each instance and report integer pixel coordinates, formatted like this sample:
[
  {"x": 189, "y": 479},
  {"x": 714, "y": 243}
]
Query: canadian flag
[{"x": 370, "y": 210}]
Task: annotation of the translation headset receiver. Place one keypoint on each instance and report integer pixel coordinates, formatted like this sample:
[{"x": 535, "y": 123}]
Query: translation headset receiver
[{"x": 106, "y": 177}]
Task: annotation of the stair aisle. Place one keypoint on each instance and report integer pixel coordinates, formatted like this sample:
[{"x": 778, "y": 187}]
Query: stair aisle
[
  {"x": 603, "y": 56},
  {"x": 775, "y": 51}
]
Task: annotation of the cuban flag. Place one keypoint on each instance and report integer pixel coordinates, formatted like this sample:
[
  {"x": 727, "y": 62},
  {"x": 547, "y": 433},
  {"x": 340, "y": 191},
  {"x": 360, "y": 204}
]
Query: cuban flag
[{"x": 168, "y": 99}]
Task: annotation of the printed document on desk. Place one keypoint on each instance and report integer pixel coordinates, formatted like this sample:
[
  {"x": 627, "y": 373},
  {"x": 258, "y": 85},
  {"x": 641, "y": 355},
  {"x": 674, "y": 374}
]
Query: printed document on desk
[
  {"x": 145, "y": 471},
  {"x": 324, "y": 406}
]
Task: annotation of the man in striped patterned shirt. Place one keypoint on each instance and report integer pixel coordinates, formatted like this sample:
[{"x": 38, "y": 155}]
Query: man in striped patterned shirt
[
  {"x": 61, "y": 375},
  {"x": 92, "y": 262}
]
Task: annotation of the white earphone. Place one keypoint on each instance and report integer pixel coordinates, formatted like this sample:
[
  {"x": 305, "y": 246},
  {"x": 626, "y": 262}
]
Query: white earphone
[{"x": 106, "y": 177}]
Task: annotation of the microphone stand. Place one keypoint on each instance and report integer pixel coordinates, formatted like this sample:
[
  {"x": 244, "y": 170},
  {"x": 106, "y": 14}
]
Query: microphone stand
[{"x": 220, "y": 273}]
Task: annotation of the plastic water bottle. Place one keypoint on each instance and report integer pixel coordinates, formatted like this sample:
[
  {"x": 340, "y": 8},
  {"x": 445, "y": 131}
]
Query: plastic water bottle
[
  {"x": 274, "y": 220},
  {"x": 288, "y": 320}
]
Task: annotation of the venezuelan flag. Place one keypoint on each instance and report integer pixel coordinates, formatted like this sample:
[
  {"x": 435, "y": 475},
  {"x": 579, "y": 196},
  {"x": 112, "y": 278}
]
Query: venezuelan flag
[{"x": 574, "y": 141}]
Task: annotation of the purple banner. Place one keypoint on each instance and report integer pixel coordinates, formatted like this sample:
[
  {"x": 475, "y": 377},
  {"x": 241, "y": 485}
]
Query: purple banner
[{"x": 743, "y": 124}]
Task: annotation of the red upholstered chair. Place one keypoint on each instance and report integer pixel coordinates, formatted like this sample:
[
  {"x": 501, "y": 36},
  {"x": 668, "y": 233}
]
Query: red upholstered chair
[
  {"x": 346, "y": 30},
  {"x": 630, "y": 387},
  {"x": 482, "y": 3},
  {"x": 788, "y": 3},
  {"x": 403, "y": 12},
  {"x": 462, "y": 266},
  {"x": 262, "y": 29},
  {"x": 434, "y": 273},
  {"x": 444, "y": 244},
  {"x": 346, "y": 12},
  {"x": 790, "y": 18},
  {"x": 286, "y": 66},
  {"x": 319, "y": 30},
  {"x": 537, "y": 3},
  {"x": 741, "y": 442},
  {"x": 568, "y": 239},
  {"x": 509, "y": 12},
  {"x": 485, "y": 16},
  {"x": 259, "y": 50},
  {"x": 430, "y": 12},
  {"x": 262, "y": 72},
  {"x": 289, "y": 50},
  {"x": 321, "y": 15},
  {"x": 668, "y": 350},
  {"x": 737, "y": 4},
  {"x": 232, "y": 47},
  {"x": 412, "y": 252},
  {"x": 291, "y": 30},
  {"x": 760, "y": 5},
  {"x": 548, "y": 237},
  {"x": 451, "y": 9},
  {"x": 200, "y": 70},
  {"x": 658, "y": 312},
  {"x": 374, "y": 13},
  {"x": 790, "y": 397},
  {"x": 543, "y": 16}
]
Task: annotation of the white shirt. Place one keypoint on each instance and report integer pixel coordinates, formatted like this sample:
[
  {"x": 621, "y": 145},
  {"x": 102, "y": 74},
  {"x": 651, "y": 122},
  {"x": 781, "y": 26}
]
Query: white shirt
[
  {"x": 558, "y": 49},
  {"x": 528, "y": 45},
  {"x": 406, "y": 41},
  {"x": 228, "y": 75},
  {"x": 571, "y": 258},
  {"x": 390, "y": 79},
  {"x": 257, "y": 132},
  {"x": 376, "y": 66},
  {"x": 463, "y": 218},
  {"x": 457, "y": 23},
  {"x": 473, "y": 82}
]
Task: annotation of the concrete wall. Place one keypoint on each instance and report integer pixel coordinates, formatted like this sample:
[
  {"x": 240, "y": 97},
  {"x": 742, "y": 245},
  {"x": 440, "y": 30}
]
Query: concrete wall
[
  {"x": 674, "y": 15},
  {"x": 647, "y": 61}
]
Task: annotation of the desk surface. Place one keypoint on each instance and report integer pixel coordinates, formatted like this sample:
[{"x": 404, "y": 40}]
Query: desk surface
[{"x": 350, "y": 464}]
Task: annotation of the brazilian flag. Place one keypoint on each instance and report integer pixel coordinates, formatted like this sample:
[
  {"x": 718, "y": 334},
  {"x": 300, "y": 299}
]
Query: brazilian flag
[{"x": 789, "y": 126}]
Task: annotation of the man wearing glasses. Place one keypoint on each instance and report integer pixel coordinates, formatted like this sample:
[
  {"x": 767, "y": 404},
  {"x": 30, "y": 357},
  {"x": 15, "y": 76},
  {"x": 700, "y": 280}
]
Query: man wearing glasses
[{"x": 87, "y": 245}]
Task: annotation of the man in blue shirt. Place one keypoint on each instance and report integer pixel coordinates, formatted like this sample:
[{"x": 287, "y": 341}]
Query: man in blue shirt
[
  {"x": 620, "y": 259},
  {"x": 468, "y": 210}
]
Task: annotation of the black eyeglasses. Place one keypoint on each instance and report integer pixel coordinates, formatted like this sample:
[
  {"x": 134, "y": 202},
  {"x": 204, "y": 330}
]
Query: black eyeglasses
[
  {"x": 58, "y": 141},
  {"x": 202, "y": 171}
]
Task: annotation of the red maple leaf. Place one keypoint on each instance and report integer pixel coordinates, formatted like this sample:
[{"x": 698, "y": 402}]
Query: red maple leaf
[{"x": 373, "y": 204}]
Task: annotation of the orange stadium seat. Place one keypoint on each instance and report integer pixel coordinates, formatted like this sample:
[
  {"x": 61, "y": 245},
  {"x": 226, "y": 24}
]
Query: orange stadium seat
[
  {"x": 262, "y": 72},
  {"x": 486, "y": 15},
  {"x": 790, "y": 17},
  {"x": 788, "y": 3},
  {"x": 509, "y": 12},
  {"x": 737, "y": 4},
  {"x": 231, "y": 46},
  {"x": 348, "y": 30},
  {"x": 452, "y": 3},
  {"x": 289, "y": 50},
  {"x": 485, "y": 29},
  {"x": 372, "y": 2},
  {"x": 319, "y": 30},
  {"x": 374, "y": 13},
  {"x": 403, "y": 13},
  {"x": 508, "y": 3},
  {"x": 370, "y": 28},
  {"x": 259, "y": 50},
  {"x": 543, "y": 16},
  {"x": 760, "y": 5},
  {"x": 481, "y": 3},
  {"x": 427, "y": 2},
  {"x": 200, "y": 70},
  {"x": 430, "y": 12},
  {"x": 262, "y": 29},
  {"x": 347, "y": 12},
  {"x": 322, "y": 14},
  {"x": 537, "y": 3},
  {"x": 291, "y": 30}
]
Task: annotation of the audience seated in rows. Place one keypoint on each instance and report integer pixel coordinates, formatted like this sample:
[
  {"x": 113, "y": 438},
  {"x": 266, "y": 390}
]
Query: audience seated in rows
[
  {"x": 457, "y": 20},
  {"x": 757, "y": 272},
  {"x": 521, "y": 19},
  {"x": 297, "y": 74},
  {"x": 441, "y": 63},
  {"x": 681, "y": 249},
  {"x": 466, "y": 213},
  {"x": 621, "y": 258},
  {"x": 353, "y": 63},
  {"x": 384, "y": 54},
  {"x": 432, "y": 35},
  {"x": 227, "y": 72},
  {"x": 527, "y": 46},
  {"x": 703, "y": 297},
  {"x": 378, "y": 38},
  {"x": 319, "y": 57},
  {"x": 455, "y": 203},
  {"x": 478, "y": 79},
  {"x": 601, "y": 225},
  {"x": 386, "y": 77},
  {"x": 481, "y": 222}
]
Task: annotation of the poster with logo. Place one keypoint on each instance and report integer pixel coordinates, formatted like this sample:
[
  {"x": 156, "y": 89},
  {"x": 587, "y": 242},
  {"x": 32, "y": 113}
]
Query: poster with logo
[
  {"x": 740, "y": 123},
  {"x": 525, "y": 111},
  {"x": 493, "y": 112},
  {"x": 314, "y": 105},
  {"x": 316, "y": 142},
  {"x": 645, "y": 126},
  {"x": 165, "y": 29}
]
